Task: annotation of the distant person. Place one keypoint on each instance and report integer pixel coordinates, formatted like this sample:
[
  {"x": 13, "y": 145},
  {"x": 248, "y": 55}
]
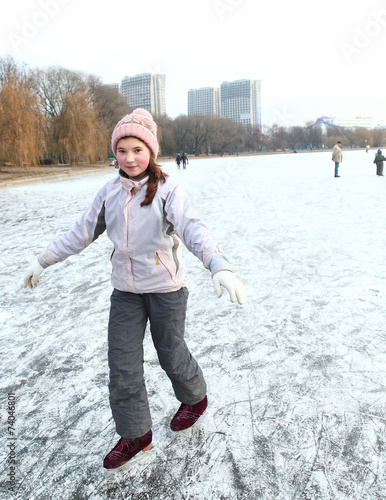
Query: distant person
[
  {"x": 378, "y": 160},
  {"x": 178, "y": 161},
  {"x": 185, "y": 160},
  {"x": 367, "y": 148},
  {"x": 337, "y": 157}
]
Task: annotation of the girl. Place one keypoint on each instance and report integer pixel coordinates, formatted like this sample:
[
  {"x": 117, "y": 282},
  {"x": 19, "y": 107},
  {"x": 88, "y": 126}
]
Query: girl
[{"x": 143, "y": 211}]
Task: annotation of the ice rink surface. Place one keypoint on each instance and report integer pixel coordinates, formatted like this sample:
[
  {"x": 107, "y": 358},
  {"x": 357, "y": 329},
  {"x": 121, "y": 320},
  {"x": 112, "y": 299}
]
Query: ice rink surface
[{"x": 296, "y": 376}]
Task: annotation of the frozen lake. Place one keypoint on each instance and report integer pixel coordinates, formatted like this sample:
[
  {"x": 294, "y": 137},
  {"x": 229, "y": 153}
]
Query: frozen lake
[{"x": 296, "y": 376}]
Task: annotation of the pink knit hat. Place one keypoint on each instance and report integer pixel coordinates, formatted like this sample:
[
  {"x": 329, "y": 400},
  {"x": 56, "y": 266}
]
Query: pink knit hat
[{"x": 138, "y": 124}]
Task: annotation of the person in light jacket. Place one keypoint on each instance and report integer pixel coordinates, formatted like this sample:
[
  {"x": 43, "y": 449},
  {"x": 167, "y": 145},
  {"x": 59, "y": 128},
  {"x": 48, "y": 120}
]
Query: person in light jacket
[
  {"x": 337, "y": 157},
  {"x": 146, "y": 215}
]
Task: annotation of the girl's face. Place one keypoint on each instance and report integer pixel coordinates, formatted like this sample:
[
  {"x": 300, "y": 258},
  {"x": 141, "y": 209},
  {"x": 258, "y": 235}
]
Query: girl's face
[{"x": 133, "y": 157}]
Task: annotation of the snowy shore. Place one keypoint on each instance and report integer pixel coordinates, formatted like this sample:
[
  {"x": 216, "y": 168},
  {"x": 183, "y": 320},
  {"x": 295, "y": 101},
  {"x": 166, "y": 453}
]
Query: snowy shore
[{"x": 296, "y": 376}]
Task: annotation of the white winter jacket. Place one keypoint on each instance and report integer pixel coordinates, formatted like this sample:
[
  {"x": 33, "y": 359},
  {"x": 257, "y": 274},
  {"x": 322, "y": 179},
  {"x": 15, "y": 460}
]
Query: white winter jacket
[
  {"x": 147, "y": 254},
  {"x": 337, "y": 154}
]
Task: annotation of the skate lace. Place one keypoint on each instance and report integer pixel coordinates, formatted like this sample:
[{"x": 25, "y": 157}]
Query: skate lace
[
  {"x": 122, "y": 446},
  {"x": 188, "y": 413}
]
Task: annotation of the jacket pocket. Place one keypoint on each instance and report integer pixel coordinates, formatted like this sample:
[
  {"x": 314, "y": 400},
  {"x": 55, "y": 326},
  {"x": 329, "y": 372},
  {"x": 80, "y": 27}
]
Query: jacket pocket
[{"x": 162, "y": 260}]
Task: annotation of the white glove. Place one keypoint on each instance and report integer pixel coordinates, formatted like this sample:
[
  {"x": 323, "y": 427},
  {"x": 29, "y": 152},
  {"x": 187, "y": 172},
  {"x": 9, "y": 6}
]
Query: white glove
[
  {"x": 229, "y": 281},
  {"x": 31, "y": 278}
]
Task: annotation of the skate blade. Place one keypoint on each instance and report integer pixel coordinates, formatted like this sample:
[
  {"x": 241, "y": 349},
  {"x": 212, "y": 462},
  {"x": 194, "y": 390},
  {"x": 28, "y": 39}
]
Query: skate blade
[{"x": 142, "y": 458}]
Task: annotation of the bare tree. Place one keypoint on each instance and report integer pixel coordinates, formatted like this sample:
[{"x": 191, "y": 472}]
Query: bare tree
[
  {"x": 296, "y": 137},
  {"x": 108, "y": 102},
  {"x": 195, "y": 132},
  {"x": 359, "y": 137},
  {"x": 168, "y": 145},
  {"x": 255, "y": 139},
  {"x": 227, "y": 135},
  {"x": 54, "y": 85},
  {"x": 378, "y": 138},
  {"x": 314, "y": 135},
  {"x": 181, "y": 133},
  {"x": 278, "y": 137},
  {"x": 9, "y": 69}
]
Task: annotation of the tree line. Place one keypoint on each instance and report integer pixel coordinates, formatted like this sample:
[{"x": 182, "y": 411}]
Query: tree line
[
  {"x": 205, "y": 134},
  {"x": 57, "y": 115}
]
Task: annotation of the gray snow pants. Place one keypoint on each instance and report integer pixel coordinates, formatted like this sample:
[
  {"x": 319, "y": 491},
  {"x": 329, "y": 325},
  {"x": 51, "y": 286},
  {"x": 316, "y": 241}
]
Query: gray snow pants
[{"x": 129, "y": 314}]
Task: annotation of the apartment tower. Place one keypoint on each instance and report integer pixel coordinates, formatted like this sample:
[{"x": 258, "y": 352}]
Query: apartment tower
[
  {"x": 241, "y": 101},
  {"x": 204, "y": 101},
  {"x": 145, "y": 91}
]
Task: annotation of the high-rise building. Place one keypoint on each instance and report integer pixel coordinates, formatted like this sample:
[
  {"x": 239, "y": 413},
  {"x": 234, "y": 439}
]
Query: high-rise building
[
  {"x": 145, "y": 91},
  {"x": 115, "y": 86},
  {"x": 241, "y": 101},
  {"x": 204, "y": 101}
]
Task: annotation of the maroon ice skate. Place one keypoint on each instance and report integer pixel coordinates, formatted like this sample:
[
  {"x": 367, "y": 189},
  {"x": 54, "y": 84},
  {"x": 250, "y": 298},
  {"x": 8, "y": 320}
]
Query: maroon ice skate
[
  {"x": 125, "y": 450},
  {"x": 187, "y": 415}
]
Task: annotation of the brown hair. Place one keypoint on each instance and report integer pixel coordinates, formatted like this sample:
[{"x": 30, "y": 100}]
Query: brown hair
[{"x": 156, "y": 175}]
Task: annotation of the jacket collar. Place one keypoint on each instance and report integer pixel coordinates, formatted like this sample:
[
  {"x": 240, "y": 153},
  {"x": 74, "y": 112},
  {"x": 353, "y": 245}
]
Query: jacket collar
[{"x": 129, "y": 184}]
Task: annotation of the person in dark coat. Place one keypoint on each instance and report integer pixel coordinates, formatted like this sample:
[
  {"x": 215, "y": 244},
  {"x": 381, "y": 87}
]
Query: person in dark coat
[
  {"x": 378, "y": 160},
  {"x": 184, "y": 160},
  {"x": 178, "y": 160}
]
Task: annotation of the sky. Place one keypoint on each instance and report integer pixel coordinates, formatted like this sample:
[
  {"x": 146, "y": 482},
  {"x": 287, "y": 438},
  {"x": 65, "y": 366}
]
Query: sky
[{"x": 322, "y": 59}]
